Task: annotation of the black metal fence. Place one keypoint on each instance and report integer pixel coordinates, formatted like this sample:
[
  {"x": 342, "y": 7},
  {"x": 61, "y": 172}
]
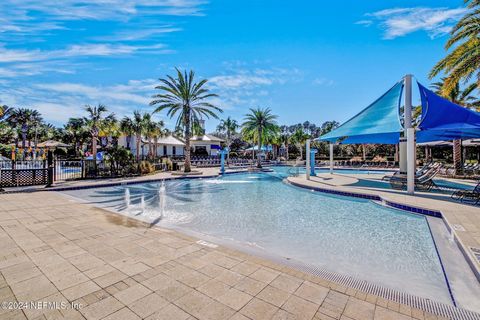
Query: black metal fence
[{"x": 36, "y": 172}]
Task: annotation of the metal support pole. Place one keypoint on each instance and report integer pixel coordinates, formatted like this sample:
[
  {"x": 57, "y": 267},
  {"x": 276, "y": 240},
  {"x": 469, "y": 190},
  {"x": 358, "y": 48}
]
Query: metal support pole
[
  {"x": 222, "y": 160},
  {"x": 49, "y": 168},
  {"x": 331, "y": 158},
  {"x": 411, "y": 161},
  {"x": 312, "y": 162},
  {"x": 410, "y": 135},
  {"x": 307, "y": 163}
]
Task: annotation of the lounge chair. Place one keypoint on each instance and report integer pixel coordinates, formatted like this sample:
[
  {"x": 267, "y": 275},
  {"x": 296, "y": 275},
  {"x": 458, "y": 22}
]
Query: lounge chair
[
  {"x": 468, "y": 195},
  {"x": 422, "y": 183}
]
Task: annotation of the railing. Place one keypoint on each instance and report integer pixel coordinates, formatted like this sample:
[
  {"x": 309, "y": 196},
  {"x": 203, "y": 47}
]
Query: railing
[{"x": 68, "y": 170}]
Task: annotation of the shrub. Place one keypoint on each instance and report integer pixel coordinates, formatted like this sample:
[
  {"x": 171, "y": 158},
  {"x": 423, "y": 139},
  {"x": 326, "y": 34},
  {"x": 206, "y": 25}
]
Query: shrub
[{"x": 146, "y": 167}]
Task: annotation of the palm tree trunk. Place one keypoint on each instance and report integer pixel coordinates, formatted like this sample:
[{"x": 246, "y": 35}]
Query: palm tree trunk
[
  {"x": 188, "y": 164},
  {"x": 228, "y": 147},
  {"x": 259, "y": 161},
  {"x": 155, "y": 148},
  {"x": 139, "y": 139},
  {"x": 286, "y": 146},
  {"x": 94, "y": 153},
  {"x": 457, "y": 157}
]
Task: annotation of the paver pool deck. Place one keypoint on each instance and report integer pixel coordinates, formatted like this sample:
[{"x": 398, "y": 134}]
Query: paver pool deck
[{"x": 54, "y": 249}]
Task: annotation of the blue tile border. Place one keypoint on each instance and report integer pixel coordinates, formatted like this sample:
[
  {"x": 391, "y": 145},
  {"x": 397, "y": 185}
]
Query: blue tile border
[{"x": 427, "y": 212}]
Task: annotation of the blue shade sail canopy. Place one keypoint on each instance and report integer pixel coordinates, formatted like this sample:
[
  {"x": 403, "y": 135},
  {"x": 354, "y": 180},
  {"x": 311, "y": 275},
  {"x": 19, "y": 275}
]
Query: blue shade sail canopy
[
  {"x": 378, "y": 123},
  {"x": 444, "y": 120}
]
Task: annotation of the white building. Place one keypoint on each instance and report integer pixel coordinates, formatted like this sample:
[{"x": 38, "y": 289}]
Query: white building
[
  {"x": 206, "y": 144},
  {"x": 166, "y": 146}
]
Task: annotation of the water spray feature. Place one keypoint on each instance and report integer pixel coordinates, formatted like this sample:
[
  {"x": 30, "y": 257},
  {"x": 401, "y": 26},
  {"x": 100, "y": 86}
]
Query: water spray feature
[{"x": 127, "y": 197}]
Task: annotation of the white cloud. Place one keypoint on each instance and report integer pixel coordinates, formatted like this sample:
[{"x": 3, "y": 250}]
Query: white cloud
[
  {"x": 243, "y": 87},
  {"x": 59, "y": 101},
  {"x": 86, "y": 50},
  {"x": 323, "y": 82},
  {"x": 398, "y": 22}
]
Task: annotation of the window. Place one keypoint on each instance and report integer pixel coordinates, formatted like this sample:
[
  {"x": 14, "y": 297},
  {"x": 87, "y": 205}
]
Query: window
[
  {"x": 174, "y": 150},
  {"x": 164, "y": 150}
]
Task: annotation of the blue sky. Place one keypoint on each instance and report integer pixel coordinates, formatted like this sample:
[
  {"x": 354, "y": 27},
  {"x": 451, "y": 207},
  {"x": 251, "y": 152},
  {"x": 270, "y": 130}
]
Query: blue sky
[{"x": 306, "y": 60}]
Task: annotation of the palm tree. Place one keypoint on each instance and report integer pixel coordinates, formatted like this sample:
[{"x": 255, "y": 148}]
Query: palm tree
[
  {"x": 299, "y": 138},
  {"x": 186, "y": 97},
  {"x": 285, "y": 140},
  {"x": 150, "y": 128},
  {"x": 5, "y": 112},
  {"x": 23, "y": 119},
  {"x": 157, "y": 132},
  {"x": 75, "y": 131},
  {"x": 94, "y": 121},
  {"x": 229, "y": 127},
  {"x": 136, "y": 126},
  {"x": 126, "y": 127},
  {"x": 461, "y": 97},
  {"x": 260, "y": 123},
  {"x": 463, "y": 62},
  {"x": 110, "y": 128}
]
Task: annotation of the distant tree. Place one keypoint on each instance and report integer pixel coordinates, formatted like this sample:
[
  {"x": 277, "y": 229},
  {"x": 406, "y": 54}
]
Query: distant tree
[
  {"x": 136, "y": 125},
  {"x": 229, "y": 127},
  {"x": 299, "y": 138},
  {"x": 126, "y": 127},
  {"x": 75, "y": 130},
  {"x": 328, "y": 126},
  {"x": 24, "y": 119},
  {"x": 94, "y": 120}
]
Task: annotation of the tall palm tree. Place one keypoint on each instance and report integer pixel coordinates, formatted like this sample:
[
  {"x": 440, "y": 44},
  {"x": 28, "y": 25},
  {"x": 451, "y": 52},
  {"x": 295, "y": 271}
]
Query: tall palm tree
[
  {"x": 463, "y": 62},
  {"x": 229, "y": 126},
  {"x": 259, "y": 122},
  {"x": 186, "y": 97},
  {"x": 23, "y": 119},
  {"x": 461, "y": 97},
  {"x": 299, "y": 138},
  {"x": 94, "y": 120}
]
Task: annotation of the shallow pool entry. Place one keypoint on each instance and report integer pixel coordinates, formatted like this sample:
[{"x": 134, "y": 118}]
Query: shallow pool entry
[{"x": 257, "y": 210}]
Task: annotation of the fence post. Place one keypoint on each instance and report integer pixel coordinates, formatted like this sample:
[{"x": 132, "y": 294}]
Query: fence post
[
  {"x": 50, "y": 168},
  {"x": 82, "y": 168}
]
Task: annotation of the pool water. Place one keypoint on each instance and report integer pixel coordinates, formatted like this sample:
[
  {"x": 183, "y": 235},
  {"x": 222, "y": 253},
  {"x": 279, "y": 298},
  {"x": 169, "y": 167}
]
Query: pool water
[{"x": 345, "y": 235}]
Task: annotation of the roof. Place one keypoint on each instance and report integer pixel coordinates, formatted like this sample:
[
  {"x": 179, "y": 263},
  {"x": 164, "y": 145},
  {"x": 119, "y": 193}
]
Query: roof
[
  {"x": 377, "y": 123},
  {"x": 207, "y": 138},
  {"x": 52, "y": 144},
  {"x": 168, "y": 140}
]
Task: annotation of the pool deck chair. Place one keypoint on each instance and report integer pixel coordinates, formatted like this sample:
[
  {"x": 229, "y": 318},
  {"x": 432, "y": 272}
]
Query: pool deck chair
[
  {"x": 468, "y": 195},
  {"x": 422, "y": 183}
]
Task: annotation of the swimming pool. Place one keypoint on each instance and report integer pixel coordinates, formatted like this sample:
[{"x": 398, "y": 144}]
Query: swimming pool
[{"x": 345, "y": 235}]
